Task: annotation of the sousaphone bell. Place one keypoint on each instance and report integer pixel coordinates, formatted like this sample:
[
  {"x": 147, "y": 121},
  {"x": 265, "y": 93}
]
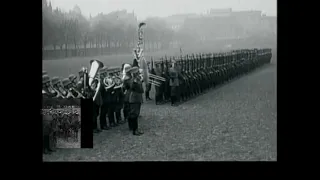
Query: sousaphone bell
[{"x": 95, "y": 66}]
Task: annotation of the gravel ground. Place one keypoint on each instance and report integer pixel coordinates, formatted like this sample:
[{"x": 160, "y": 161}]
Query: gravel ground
[{"x": 234, "y": 122}]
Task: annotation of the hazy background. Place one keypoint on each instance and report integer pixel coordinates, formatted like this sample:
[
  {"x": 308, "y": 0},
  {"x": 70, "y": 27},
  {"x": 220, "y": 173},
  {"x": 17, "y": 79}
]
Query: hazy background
[
  {"x": 163, "y": 8},
  {"x": 86, "y": 28}
]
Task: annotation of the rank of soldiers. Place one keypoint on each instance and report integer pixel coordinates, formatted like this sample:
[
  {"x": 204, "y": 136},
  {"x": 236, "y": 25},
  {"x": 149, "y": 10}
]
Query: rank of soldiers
[{"x": 190, "y": 75}]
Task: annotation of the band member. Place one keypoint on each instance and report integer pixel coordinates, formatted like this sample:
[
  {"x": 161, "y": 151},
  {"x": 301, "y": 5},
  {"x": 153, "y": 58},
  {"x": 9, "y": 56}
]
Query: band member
[
  {"x": 148, "y": 86},
  {"x": 135, "y": 100},
  {"x": 119, "y": 99},
  {"x": 111, "y": 101},
  {"x": 174, "y": 83},
  {"x": 126, "y": 89},
  {"x": 96, "y": 106},
  {"x": 104, "y": 106}
]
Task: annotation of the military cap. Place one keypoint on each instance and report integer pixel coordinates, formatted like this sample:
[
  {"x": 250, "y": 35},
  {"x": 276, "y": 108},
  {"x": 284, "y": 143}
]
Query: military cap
[
  {"x": 55, "y": 80},
  {"x": 45, "y": 79},
  {"x": 72, "y": 77},
  {"x": 66, "y": 82},
  {"x": 127, "y": 67}
]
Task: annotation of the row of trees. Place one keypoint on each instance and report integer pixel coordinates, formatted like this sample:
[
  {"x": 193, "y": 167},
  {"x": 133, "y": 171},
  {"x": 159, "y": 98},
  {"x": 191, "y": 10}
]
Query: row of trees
[{"x": 71, "y": 30}]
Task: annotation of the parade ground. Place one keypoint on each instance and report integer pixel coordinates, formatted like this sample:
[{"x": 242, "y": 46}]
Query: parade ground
[{"x": 236, "y": 121}]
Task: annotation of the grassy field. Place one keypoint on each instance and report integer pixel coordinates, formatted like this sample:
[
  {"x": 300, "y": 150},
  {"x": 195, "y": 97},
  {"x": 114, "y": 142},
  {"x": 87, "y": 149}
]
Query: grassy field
[{"x": 64, "y": 67}]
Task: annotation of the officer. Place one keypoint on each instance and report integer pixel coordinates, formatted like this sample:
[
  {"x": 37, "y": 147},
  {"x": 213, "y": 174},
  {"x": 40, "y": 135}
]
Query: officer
[
  {"x": 174, "y": 83},
  {"x": 135, "y": 100}
]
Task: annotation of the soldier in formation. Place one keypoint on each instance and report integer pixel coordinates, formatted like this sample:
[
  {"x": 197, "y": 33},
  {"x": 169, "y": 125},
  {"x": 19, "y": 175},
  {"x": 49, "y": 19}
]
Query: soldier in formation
[{"x": 195, "y": 74}]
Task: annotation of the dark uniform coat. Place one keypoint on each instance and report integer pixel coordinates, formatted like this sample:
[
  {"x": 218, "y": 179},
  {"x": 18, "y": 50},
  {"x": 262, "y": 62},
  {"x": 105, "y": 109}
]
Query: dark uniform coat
[
  {"x": 135, "y": 97},
  {"x": 174, "y": 81}
]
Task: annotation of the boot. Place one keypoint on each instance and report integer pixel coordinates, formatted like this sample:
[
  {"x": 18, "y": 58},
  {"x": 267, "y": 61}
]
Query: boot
[
  {"x": 130, "y": 124},
  {"x": 137, "y": 133}
]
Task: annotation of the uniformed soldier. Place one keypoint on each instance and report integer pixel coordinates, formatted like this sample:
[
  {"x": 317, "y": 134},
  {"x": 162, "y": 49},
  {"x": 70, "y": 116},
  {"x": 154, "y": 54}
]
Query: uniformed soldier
[
  {"x": 104, "y": 106},
  {"x": 166, "y": 87},
  {"x": 159, "y": 89},
  {"x": 111, "y": 101},
  {"x": 191, "y": 79},
  {"x": 135, "y": 100},
  {"x": 119, "y": 98},
  {"x": 126, "y": 90},
  {"x": 174, "y": 83},
  {"x": 183, "y": 81},
  {"x": 97, "y": 106}
]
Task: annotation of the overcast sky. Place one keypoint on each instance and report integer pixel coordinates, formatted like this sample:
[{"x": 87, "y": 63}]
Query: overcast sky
[{"x": 162, "y": 8}]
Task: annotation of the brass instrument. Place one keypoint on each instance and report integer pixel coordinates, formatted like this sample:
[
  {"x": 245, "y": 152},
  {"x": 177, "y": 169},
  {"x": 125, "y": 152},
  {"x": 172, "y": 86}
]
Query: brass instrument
[
  {"x": 46, "y": 86},
  {"x": 95, "y": 66},
  {"x": 67, "y": 85},
  {"x": 117, "y": 78},
  {"x": 125, "y": 68},
  {"x": 56, "y": 85}
]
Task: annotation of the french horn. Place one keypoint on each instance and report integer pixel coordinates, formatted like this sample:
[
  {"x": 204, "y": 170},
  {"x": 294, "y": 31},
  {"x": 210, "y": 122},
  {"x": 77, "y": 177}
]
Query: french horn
[{"x": 118, "y": 80}]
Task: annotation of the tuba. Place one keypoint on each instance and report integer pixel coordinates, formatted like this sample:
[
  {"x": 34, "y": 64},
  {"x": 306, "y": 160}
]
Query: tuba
[{"x": 95, "y": 66}]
